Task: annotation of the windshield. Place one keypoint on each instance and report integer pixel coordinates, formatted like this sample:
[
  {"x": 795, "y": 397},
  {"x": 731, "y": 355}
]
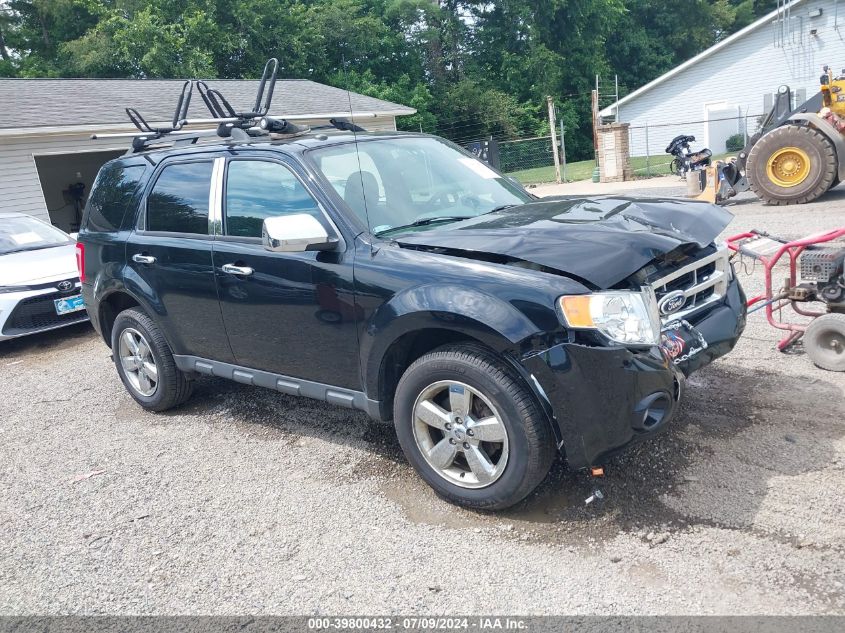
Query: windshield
[
  {"x": 23, "y": 233},
  {"x": 393, "y": 183}
]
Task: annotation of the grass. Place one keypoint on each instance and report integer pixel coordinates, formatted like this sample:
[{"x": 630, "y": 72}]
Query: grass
[{"x": 583, "y": 170}]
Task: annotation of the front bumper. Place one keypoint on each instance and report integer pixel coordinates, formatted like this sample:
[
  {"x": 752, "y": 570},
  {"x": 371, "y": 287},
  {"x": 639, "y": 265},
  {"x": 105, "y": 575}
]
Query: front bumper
[
  {"x": 605, "y": 398},
  {"x": 31, "y": 310}
]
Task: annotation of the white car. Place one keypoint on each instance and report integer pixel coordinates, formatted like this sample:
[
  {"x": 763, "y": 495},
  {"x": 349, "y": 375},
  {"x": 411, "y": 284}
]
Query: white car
[{"x": 39, "y": 283}]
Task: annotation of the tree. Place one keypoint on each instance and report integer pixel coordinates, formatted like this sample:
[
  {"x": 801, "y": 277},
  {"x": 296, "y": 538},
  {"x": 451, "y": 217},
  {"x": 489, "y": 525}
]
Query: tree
[{"x": 472, "y": 68}]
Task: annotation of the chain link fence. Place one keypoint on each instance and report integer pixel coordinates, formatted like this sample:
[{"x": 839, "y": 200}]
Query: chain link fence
[
  {"x": 526, "y": 153},
  {"x": 723, "y": 134},
  {"x": 531, "y": 159}
]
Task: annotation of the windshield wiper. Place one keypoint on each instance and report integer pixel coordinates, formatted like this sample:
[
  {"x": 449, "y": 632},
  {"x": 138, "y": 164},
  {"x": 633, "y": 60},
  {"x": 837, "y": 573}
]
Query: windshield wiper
[
  {"x": 427, "y": 221},
  {"x": 501, "y": 207}
]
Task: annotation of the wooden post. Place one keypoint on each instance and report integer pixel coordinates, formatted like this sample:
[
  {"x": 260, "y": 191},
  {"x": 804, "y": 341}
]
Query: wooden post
[
  {"x": 553, "y": 136},
  {"x": 563, "y": 148},
  {"x": 595, "y": 110}
]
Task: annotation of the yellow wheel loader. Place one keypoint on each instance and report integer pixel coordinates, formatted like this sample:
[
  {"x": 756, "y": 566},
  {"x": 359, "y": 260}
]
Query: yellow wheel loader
[{"x": 797, "y": 155}]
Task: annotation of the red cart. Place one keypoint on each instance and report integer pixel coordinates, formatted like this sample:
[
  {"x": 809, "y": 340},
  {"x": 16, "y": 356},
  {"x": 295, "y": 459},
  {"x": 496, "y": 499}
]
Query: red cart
[{"x": 815, "y": 275}]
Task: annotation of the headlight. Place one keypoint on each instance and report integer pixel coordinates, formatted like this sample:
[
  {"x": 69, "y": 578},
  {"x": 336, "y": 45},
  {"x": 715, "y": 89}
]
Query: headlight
[{"x": 630, "y": 318}]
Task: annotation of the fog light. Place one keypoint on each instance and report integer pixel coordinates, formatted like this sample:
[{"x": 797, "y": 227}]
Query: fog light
[{"x": 652, "y": 411}]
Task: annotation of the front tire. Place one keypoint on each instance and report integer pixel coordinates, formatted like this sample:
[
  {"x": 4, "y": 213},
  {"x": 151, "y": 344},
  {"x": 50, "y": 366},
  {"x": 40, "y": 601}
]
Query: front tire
[
  {"x": 145, "y": 363},
  {"x": 471, "y": 428},
  {"x": 792, "y": 164}
]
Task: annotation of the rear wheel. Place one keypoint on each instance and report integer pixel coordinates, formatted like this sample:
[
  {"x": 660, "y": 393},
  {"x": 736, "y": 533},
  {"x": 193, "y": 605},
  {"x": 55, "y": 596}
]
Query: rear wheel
[
  {"x": 824, "y": 341},
  {"x": 791, "y": 165},
  {"x": 145, "y": 363},
  {"x": 471, "y": 429}
]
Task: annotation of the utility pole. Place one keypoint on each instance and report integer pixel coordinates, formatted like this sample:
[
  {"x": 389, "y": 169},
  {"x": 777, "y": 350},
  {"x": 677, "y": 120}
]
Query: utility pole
[{"x": 553, "y": 133}]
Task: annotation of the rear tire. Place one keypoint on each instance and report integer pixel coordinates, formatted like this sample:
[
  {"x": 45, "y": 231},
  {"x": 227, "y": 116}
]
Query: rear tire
[
  {"x": 471, "y": 428},
  {"x": 145, "y": 363},
  {"x": 802, "y": 175},
  {"x": 824, "y": 341}
]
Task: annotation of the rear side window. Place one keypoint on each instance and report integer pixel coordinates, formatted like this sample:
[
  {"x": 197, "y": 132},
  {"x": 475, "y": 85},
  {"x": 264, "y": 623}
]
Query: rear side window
[
  {"x": 178, "y": 202},
  {"x": 113, "y": 193},
  {"x": 256, "y": 190}
]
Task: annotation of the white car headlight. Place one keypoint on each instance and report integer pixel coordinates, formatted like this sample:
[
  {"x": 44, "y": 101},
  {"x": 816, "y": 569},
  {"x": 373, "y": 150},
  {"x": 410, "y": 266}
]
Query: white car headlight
[{"x": 630, "y": 318}]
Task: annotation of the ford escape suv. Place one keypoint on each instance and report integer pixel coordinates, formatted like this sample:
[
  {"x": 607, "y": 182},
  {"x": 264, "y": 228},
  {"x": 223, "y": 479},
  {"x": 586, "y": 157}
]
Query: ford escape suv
[{"x": 396, "y": 274}]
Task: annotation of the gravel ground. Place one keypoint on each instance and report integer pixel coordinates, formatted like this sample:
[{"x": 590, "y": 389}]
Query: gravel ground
[{"x": 249, "y": 501}]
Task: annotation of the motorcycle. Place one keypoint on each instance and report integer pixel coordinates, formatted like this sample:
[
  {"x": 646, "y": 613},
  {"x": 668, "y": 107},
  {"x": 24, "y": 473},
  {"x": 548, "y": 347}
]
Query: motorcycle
[{"x": 685, "y": 159}]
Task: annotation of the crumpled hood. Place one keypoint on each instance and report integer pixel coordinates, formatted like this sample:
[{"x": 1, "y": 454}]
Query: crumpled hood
[
  {"x": 37, "y": 266},
  {"x": 601, "y": 240}
]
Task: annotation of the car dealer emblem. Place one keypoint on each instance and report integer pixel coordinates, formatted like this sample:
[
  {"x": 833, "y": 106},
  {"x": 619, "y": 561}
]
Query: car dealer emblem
[
  {"x": 672, "y": 302},
  {"x": 65, "y": 285}
]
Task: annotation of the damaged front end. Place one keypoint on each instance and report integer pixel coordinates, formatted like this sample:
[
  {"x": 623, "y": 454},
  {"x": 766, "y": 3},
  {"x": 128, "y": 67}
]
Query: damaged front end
[
  {"x": 605, "y": 397},
  {"x": 612, "y": 380}
]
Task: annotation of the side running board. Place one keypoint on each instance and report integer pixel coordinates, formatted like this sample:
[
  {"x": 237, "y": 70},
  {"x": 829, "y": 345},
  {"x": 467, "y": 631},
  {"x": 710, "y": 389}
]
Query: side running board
[{"x": 292, "y": 386}]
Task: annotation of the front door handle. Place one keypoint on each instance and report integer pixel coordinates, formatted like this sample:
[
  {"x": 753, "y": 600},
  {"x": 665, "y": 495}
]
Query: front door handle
[
  {"x": 143, "y": 259},
  {"x": 232, "y": 269}
]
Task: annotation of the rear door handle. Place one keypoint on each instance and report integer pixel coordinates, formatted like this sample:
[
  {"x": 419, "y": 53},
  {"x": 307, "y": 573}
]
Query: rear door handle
[
  {"x": 143, "y": 259},
  {"x": 232, "y": 269}
]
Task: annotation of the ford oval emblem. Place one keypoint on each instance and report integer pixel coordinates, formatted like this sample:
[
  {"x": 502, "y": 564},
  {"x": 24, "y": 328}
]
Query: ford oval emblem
[
  {"x": 672, "y": 302},
  {"x": 65, "y": 285}
]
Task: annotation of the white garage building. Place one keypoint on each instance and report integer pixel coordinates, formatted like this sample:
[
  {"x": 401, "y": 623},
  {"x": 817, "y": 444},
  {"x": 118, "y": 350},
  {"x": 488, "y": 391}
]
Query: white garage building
[
  {"x": 48, "y": 162},
  {"x": 712, "y": 95}
]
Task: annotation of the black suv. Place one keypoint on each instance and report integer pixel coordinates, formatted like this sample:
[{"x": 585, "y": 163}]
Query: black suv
[{"x": 396, "y": 274}]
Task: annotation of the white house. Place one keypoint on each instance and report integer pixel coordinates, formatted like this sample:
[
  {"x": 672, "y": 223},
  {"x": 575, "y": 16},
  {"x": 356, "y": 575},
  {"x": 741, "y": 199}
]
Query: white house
[
  {"x": 714, "y": 94},
  {"x": 48, "y": 162}
]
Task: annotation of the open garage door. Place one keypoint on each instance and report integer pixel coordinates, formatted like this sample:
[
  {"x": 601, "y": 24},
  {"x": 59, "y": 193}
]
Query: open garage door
[{"x": 66, "y": 181}]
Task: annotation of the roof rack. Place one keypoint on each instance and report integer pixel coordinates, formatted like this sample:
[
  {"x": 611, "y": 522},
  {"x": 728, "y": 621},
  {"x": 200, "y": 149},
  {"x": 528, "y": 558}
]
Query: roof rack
[
  {"x": 220, "y": 107},
  {"x": 230, "y": 124}
]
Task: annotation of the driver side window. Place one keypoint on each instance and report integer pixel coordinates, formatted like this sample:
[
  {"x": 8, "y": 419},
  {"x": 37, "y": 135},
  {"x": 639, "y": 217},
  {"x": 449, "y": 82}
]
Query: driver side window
[{"x": 256, "y": 190}]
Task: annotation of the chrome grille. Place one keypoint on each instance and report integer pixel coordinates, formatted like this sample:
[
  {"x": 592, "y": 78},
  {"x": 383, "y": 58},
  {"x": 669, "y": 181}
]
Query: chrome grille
[{"x": 702, "y": 282}]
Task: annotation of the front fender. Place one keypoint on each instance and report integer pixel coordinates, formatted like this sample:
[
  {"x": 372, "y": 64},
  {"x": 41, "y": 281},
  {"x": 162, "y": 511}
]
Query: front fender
[{"x": 468, "y": 311}]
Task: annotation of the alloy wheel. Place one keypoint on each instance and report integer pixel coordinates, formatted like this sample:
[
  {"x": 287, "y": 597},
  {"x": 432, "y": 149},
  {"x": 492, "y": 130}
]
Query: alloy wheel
[
  {"x": 460, "y": 434},
  {"x": 137, "y": 361}
]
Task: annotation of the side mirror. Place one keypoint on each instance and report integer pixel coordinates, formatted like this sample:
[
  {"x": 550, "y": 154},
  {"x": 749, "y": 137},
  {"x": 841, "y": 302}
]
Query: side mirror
[{"x": 295, "y": 234}]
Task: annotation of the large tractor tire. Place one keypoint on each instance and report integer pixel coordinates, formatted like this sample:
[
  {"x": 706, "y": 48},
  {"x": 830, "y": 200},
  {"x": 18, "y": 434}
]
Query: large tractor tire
[{"x": 792, "y": 164}]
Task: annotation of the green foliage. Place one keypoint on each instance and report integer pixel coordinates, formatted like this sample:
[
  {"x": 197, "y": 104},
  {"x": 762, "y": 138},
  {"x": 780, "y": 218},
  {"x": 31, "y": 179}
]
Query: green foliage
[
  {"x": 735, "y": 143},
  {"x": 471, "y": 68}
]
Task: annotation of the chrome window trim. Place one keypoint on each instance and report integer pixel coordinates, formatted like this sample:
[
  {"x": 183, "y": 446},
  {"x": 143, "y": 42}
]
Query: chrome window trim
[{"x": 215, "y": 197}]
